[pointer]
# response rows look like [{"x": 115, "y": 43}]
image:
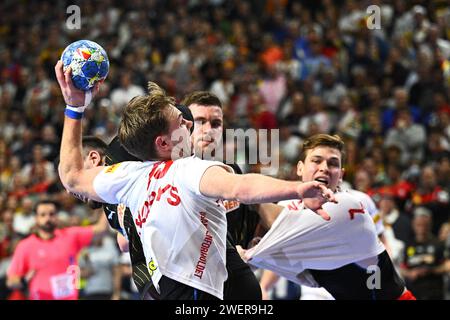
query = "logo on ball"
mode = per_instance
[{"x": 88, "y": 61}]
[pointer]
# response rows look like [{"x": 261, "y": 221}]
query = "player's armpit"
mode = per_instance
[
  {"x": 81, "y": 182},
  {"x": 268, "y": 212}
]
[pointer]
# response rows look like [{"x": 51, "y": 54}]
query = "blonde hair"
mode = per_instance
[{"x": 143, "y": 119}]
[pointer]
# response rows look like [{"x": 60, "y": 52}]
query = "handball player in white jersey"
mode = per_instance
[
  {"x": 176, "y": 204},
  {"x": 342, "y": 255},
  {"x": 269, "y": 278}
]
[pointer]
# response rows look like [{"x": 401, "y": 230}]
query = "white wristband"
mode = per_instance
[
  {"x": 87, "y": 101},
  {"x": 76, "y": 109}
]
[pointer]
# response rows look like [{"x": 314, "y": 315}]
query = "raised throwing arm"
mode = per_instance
[{"x": 74, "y": 178}]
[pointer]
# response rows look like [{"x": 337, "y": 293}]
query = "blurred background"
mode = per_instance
[{"x": 302, "y": 67}]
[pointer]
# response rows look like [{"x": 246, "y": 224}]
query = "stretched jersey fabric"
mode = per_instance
[
  {"x": 183, "y": 232},
  {"x": 371, "y": 208},
  {"x": 300, "y": 240},
  {"x": 359, "y": 289}
]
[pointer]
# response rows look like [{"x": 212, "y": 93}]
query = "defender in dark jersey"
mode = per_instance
[{"x": 242, "y": 221}]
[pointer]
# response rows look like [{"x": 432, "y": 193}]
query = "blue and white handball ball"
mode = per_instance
[{"x": 89, "y": 63}]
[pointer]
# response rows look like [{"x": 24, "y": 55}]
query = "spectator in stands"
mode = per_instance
[
  {"x": 423, "y": 262},
  {"x": 125, "y": 92},
  {"x": 99, "y": 265},
  {"x": 397, "y": 225},
  {"x": 410, "y": 137},
  {"x": 24, "y": 218},
  {"x": 8, "y": 241},
  {"x": 405, "y": 64},
  {"x": 430, "y": 194}
]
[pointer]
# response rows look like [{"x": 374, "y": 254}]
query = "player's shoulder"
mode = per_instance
[
  {"x": 194, "y": 159},
  {"x": 347, "y": 206},
  {"x": 356, "y": 193},
  {"x": 187, "y": 160},
  {"x": 346, "y": 198},
  {"x": 362, "y": 196},
  {"x": 366, "y": 199},
  {"x": 193, "y": 162},
  {"x": 354, "y": 208},
  {"x": 127, "y": 166}
]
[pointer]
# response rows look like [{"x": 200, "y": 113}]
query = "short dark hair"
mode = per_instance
[
  {"x": 46, "y": 201},
  {"x": 93, "y": 143},
  {"x": 204, "y": 98},
  {"x": 322, "y": 140},
  {"x": 89, "y": 143}
]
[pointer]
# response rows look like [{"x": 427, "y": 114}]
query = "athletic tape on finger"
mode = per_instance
[{"x": 87, "y": 98}]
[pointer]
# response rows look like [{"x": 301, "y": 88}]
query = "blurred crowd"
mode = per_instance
[{"x": 302, "y": 67}]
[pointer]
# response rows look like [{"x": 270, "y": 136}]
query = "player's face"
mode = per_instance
[
  {"x": 208, "y": 127},
  {"x": 179, "y": 134},
  {"x": 322, "y": 164},
  {"x": 46, "y": 217}
]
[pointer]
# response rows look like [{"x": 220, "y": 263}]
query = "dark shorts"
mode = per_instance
[
  {"x": 174, "y": 290},
  {"x": 352, "y": 282},
  {"x": 241, "y": 283}
]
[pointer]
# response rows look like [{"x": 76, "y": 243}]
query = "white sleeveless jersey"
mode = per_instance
[
  {"x": 183, "y": 233},
  {"x": 300, "y": 239}
]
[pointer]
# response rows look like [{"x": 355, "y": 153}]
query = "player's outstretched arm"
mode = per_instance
[
  {"x": 250, "y": 188},
  {"x": 74, "y": 178}
]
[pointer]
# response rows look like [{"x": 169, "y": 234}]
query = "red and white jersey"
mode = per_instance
[
  {"x": 183, "y": 233},
  {"x": 300, "y": 239},
  {"x": 371, "y": 207}
]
